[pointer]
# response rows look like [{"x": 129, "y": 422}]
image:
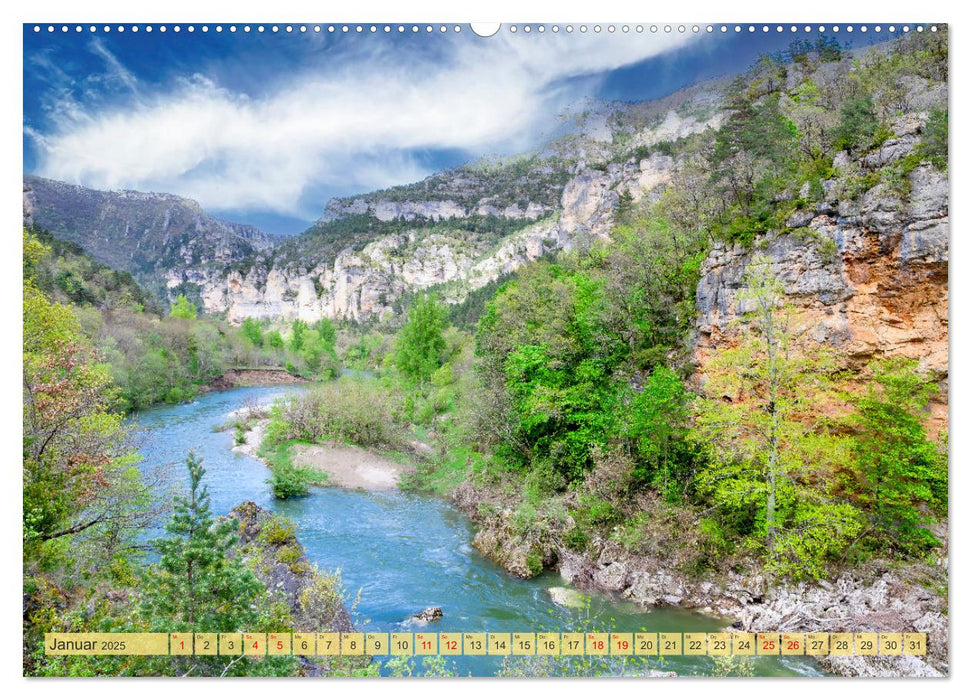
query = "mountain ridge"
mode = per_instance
[
  {"x": 137, "y": 232},
  {"x": 480, "y": 220}
]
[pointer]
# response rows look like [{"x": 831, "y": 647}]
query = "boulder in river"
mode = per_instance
[
  {"x": 566, "y": 597},
  {"x": 427, "y": 615}
]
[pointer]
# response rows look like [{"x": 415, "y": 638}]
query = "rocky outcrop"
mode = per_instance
[
  {"x": 590, "y": 198},
  {"x": 566, "y": 597},
  {"x": 867, "y": 274},
  {"x": 874, "y": 599},
  {"x": 427, "y": 615},
  {"x": 314, "y": 599},
  {"x": 365, "y": 283},
  {"x": 560, "y": 198},
  {"x": 384, "y": 210},
  {"x": 272, "y": 550},
  {"x": 524, "y": 187}
]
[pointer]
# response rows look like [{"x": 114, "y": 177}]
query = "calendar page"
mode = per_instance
[{"x": 485, "y": 350}]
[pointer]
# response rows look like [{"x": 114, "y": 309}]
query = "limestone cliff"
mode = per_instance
[
  {"x": 456, "y": 231},
  {"x": 867, "y": 273},
  {"x": 441, "y": 245}
]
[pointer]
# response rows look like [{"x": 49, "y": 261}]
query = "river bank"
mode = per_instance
[
  {"x": 660, "y": 570},
  {"x": 256, "y": 376},
  {"x": 314, "y": 599},
  {"x": 875, "y": 597},
  {"x": 400, "y": 552},
  {"x": 341, "y": 464}
]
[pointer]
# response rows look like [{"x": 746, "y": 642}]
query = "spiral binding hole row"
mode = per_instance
[{"x": 513, "y": 28}]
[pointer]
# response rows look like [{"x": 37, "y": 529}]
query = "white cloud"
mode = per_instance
[
  {"x": 347, "y": 125},
  {"x": 116, "y": 71}
]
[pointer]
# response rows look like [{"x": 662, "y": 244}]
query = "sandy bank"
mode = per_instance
[{"x": 350, "y": 467}]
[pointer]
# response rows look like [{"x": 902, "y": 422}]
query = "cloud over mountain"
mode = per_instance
[{"x": 357, "y": 115}]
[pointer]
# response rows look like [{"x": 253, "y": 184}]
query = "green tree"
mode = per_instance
[
  {"x": 197, "y": 584},
  {"x": 934, "y": 146},
  {"x": 548, "y": 348},
  {"x": 420, "y": 341},
  {"x": 625, "y": 204},
  {"x": 328, "y": 332},
  {"x": 274, "y": 340},
  {"x": 318, "y": 354},
  {"x": 904, "y": 476},
  {"x": 771, "y": 441},
  {"x": 753, "y": 151},
  {"x": 296, "y": 335},
  {"x": 858, "y": 124},
  {"x": 658, "y": 423},
  {"x": 80, "y": 482},
  {"x": 183, "y": 308},
  {"x": 651, "y": 271},
  {"x": 252, "y": 331}
]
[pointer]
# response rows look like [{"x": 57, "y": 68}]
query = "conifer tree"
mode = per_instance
[
  {"x": 904, "y": 475},
  {"x": 197, "y": 585}
]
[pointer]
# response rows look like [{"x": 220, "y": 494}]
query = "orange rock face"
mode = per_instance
[{"x": 869, "y": 277}]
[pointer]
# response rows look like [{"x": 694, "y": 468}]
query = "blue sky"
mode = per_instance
[{"x": 263, "y": 128}]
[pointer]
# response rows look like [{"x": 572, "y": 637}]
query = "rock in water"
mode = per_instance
[
  {"x": 427, "y": 615},
  {"x": 566, "y": 597}
]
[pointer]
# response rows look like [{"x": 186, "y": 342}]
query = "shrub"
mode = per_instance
[
  {"x": 362, "y": 412},
  {"x": 534, "y": 562},
  {"x": 289, "y": 482},
  {"x": 289, "y": 555},
  {"x": 277, "y": 531},
  {"x": 597, "y": 511},
  {"x": 576, "y": 539},
  {"x": 322, "y": 602},
  {"x": 251, "y": 330},
  {"x": 176, "y": 395}
]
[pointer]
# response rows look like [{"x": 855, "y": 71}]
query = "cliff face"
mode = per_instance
[
  {"x": 452, "y": 256},
  {"x": 455, "y": 231},
  {"x": 525, "y": 187},
  {"x": 866, "y": 266},
  {"x": 364, "y": 284},
  {"x": 866, "y": 273}
]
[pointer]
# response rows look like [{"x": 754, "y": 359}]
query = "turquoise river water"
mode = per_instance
[{"x": 401, "y": 552}]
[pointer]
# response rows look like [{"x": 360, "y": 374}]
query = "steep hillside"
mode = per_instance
[
  {"x": 527, "y": 187},
  {"x": 69, "y": 276},
  {"x": 142, "y": 233},
  {"x": 464, "y": 228}
]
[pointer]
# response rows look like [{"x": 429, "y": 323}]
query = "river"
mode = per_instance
[{"x": 401, "y": 552}]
